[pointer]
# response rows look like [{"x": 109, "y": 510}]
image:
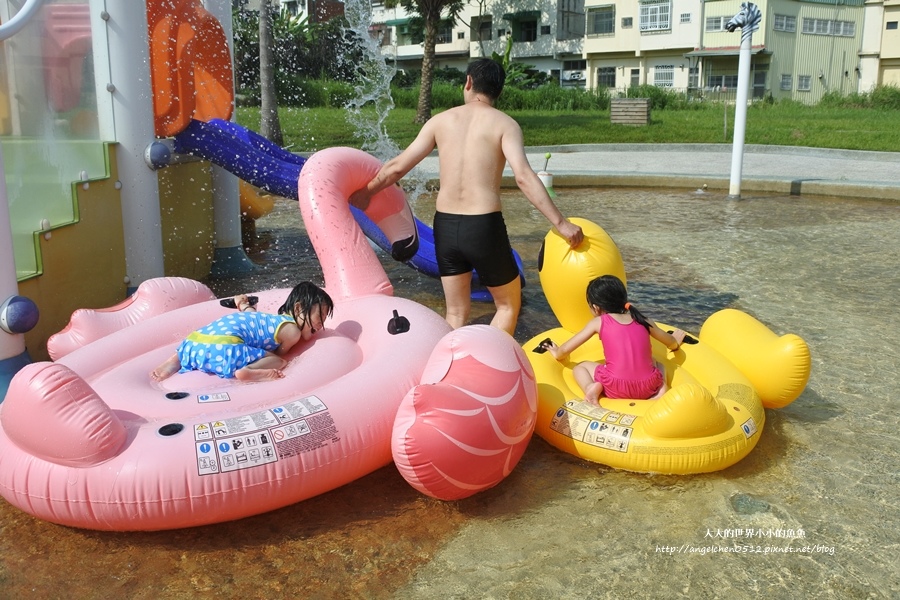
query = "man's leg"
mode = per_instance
[
  {"x": 458, "y": 298},
  {"x": 508, "y": 300}
]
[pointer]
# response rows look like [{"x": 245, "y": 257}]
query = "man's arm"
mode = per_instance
[
  {"x": 393, "y": 170},
  {"x": 513, "y": 147}
]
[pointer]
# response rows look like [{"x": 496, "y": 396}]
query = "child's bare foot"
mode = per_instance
[
  {"x": 167, "y": 369},
  {"x": 247, "y": 374},
  {"x": 592, "y": 394}
]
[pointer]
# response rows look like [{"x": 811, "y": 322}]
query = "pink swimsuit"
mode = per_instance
[{"x": 629, "y": 371}]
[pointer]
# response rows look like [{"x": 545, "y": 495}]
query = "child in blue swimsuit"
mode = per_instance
[{"x": 249, "y": 345}]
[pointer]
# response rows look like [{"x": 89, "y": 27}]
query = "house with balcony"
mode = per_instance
[
  {"x": 880, "y": 54},
  {"x": 802, "y": 50},
  {"x": 547, "y": 34},
  {"x": 634, "y": 42}
]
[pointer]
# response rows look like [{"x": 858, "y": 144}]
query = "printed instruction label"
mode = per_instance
[
  {"x": 263, "y": 437},
  {"x": 594, "y": 425}
]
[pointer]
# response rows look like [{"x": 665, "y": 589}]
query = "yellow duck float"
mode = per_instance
[{"x": 719, "y": 382}]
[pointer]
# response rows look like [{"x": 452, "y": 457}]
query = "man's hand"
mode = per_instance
[
  {"x": 360, "y": 199},
  {"x": 573, "y": 234}
]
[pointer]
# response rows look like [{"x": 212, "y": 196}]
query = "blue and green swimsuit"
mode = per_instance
[{"x": 231, "y": 343}]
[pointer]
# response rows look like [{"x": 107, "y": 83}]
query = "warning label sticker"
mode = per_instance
[
  {"x": 594, "y": 425},
  {"x": 263, "y": 437},
  {"x": 749, "y": 427},
  {"x": 217, "y": 397}
]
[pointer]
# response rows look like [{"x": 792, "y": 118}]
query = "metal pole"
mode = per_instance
[
  {"x": 132, "y": 102},
  {"x": 13, "y": 355},
  {"x": 748, "y": 20},
  {"x": 229, "y": 258},
  {"x": 740, "y": 119}
]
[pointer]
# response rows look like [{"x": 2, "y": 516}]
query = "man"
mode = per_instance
[{"x": 475, "y": 141}]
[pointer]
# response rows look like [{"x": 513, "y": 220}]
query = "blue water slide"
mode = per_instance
[{"x": 268, "y": 166}]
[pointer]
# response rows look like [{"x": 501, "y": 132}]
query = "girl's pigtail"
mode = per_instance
[{"x": 637, "y": 315}]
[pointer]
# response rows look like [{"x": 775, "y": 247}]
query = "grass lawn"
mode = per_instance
[{"x": 307, "y": 130}]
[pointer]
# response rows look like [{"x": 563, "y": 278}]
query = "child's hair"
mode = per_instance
[
  {"x": 307, "y": 295},
  {"x": 609, "y": 294},
  {"x": 488, "y": 77}
]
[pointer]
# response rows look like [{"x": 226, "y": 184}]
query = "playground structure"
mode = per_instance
[
  {"x": 93, "y": 102},
  {"x": 85, "y": 90}
]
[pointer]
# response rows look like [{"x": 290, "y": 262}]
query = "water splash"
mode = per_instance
[{"x": 372, "y": 103}]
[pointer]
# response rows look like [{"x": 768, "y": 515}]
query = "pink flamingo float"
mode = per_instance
[{"x": 89, "y": 441}]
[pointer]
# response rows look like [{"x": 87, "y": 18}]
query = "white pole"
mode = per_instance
[
  {"x": 12, "y": 345},
  {"x": 132, "y": 101},
  {"x": 740, "y": 119},
  {"x": 748, "y": 20},
  {"x": 229, "y": 258}
]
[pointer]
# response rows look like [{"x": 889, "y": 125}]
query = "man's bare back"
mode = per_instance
[
  {"x": 471, "y": 157},
  {"x": 475, "y": 142}
]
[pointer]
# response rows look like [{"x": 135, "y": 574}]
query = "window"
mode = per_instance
[
  {"x": 826, "y": 27},
  {"x": 787, "y": 82},
  {"x": 501, "y": 33},
  {"x": 460, "y": 35},
  {"x": 382, "y": 33},
  {"x": 606, "y": 77},
  {"x": 685, "y": 18},
  {"x": 804, "y": 83},
  {"x": 635, "y": 77},
  {"x": 574, "y": 65},
  {"x": 664, "y": 75},
  {"x": 716, "y": 23},
  {"x": 785, "y": 23},
  {"x": 527, "y": 31},
  {"x": 655, "y": 15},
  {"x": 545, "y": 30},
  {"x": 694, "y": 77},
  {"x": 482, "y": 30},
  {"x": 627, "y": 22},
  {"x": 570, "y": 20},
  {"x": 601, "y": 21},
  {"x": 721, "y": 81},
  {"x": 891, "y": 25},
  {"x": 445, "y": 32}
]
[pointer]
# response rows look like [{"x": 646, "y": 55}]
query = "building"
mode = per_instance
[
  {"x": 547, "y": 35},
  {"x": 318, "y": 11},
  {"x": 880, "y": 54},
  {"x": 632, "y": 42},
  {"x": 803, "y": 49}
]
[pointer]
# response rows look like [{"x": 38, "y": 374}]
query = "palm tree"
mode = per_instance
[
  {"x": 430, "y": 11},
  {"x": 269, "y": 124}
]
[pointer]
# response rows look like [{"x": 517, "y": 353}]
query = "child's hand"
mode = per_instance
[
  {"x": 553, "y": 349},
  {"x": 244, "y": 302},
  {"x": 678, "y": 334}
]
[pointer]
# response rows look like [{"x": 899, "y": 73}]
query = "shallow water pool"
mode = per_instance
[{"x": 811, "y": 512}]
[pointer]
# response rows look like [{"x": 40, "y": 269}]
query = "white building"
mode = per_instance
[
  {"x": 546, "y": 34},
  {"x": 803, "y": 49}
]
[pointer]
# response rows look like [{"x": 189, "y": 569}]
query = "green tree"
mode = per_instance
[
  {"x": 431, "y": 12},
  {"x": 302, "y": 50},
  {"x": 269, "y": 123}
]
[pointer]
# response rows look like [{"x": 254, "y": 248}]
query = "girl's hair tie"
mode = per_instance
[{"x": 628, "y": 306}]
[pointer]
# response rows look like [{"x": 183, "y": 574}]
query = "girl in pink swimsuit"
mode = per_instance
[{"x": 628, "y": 370}]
